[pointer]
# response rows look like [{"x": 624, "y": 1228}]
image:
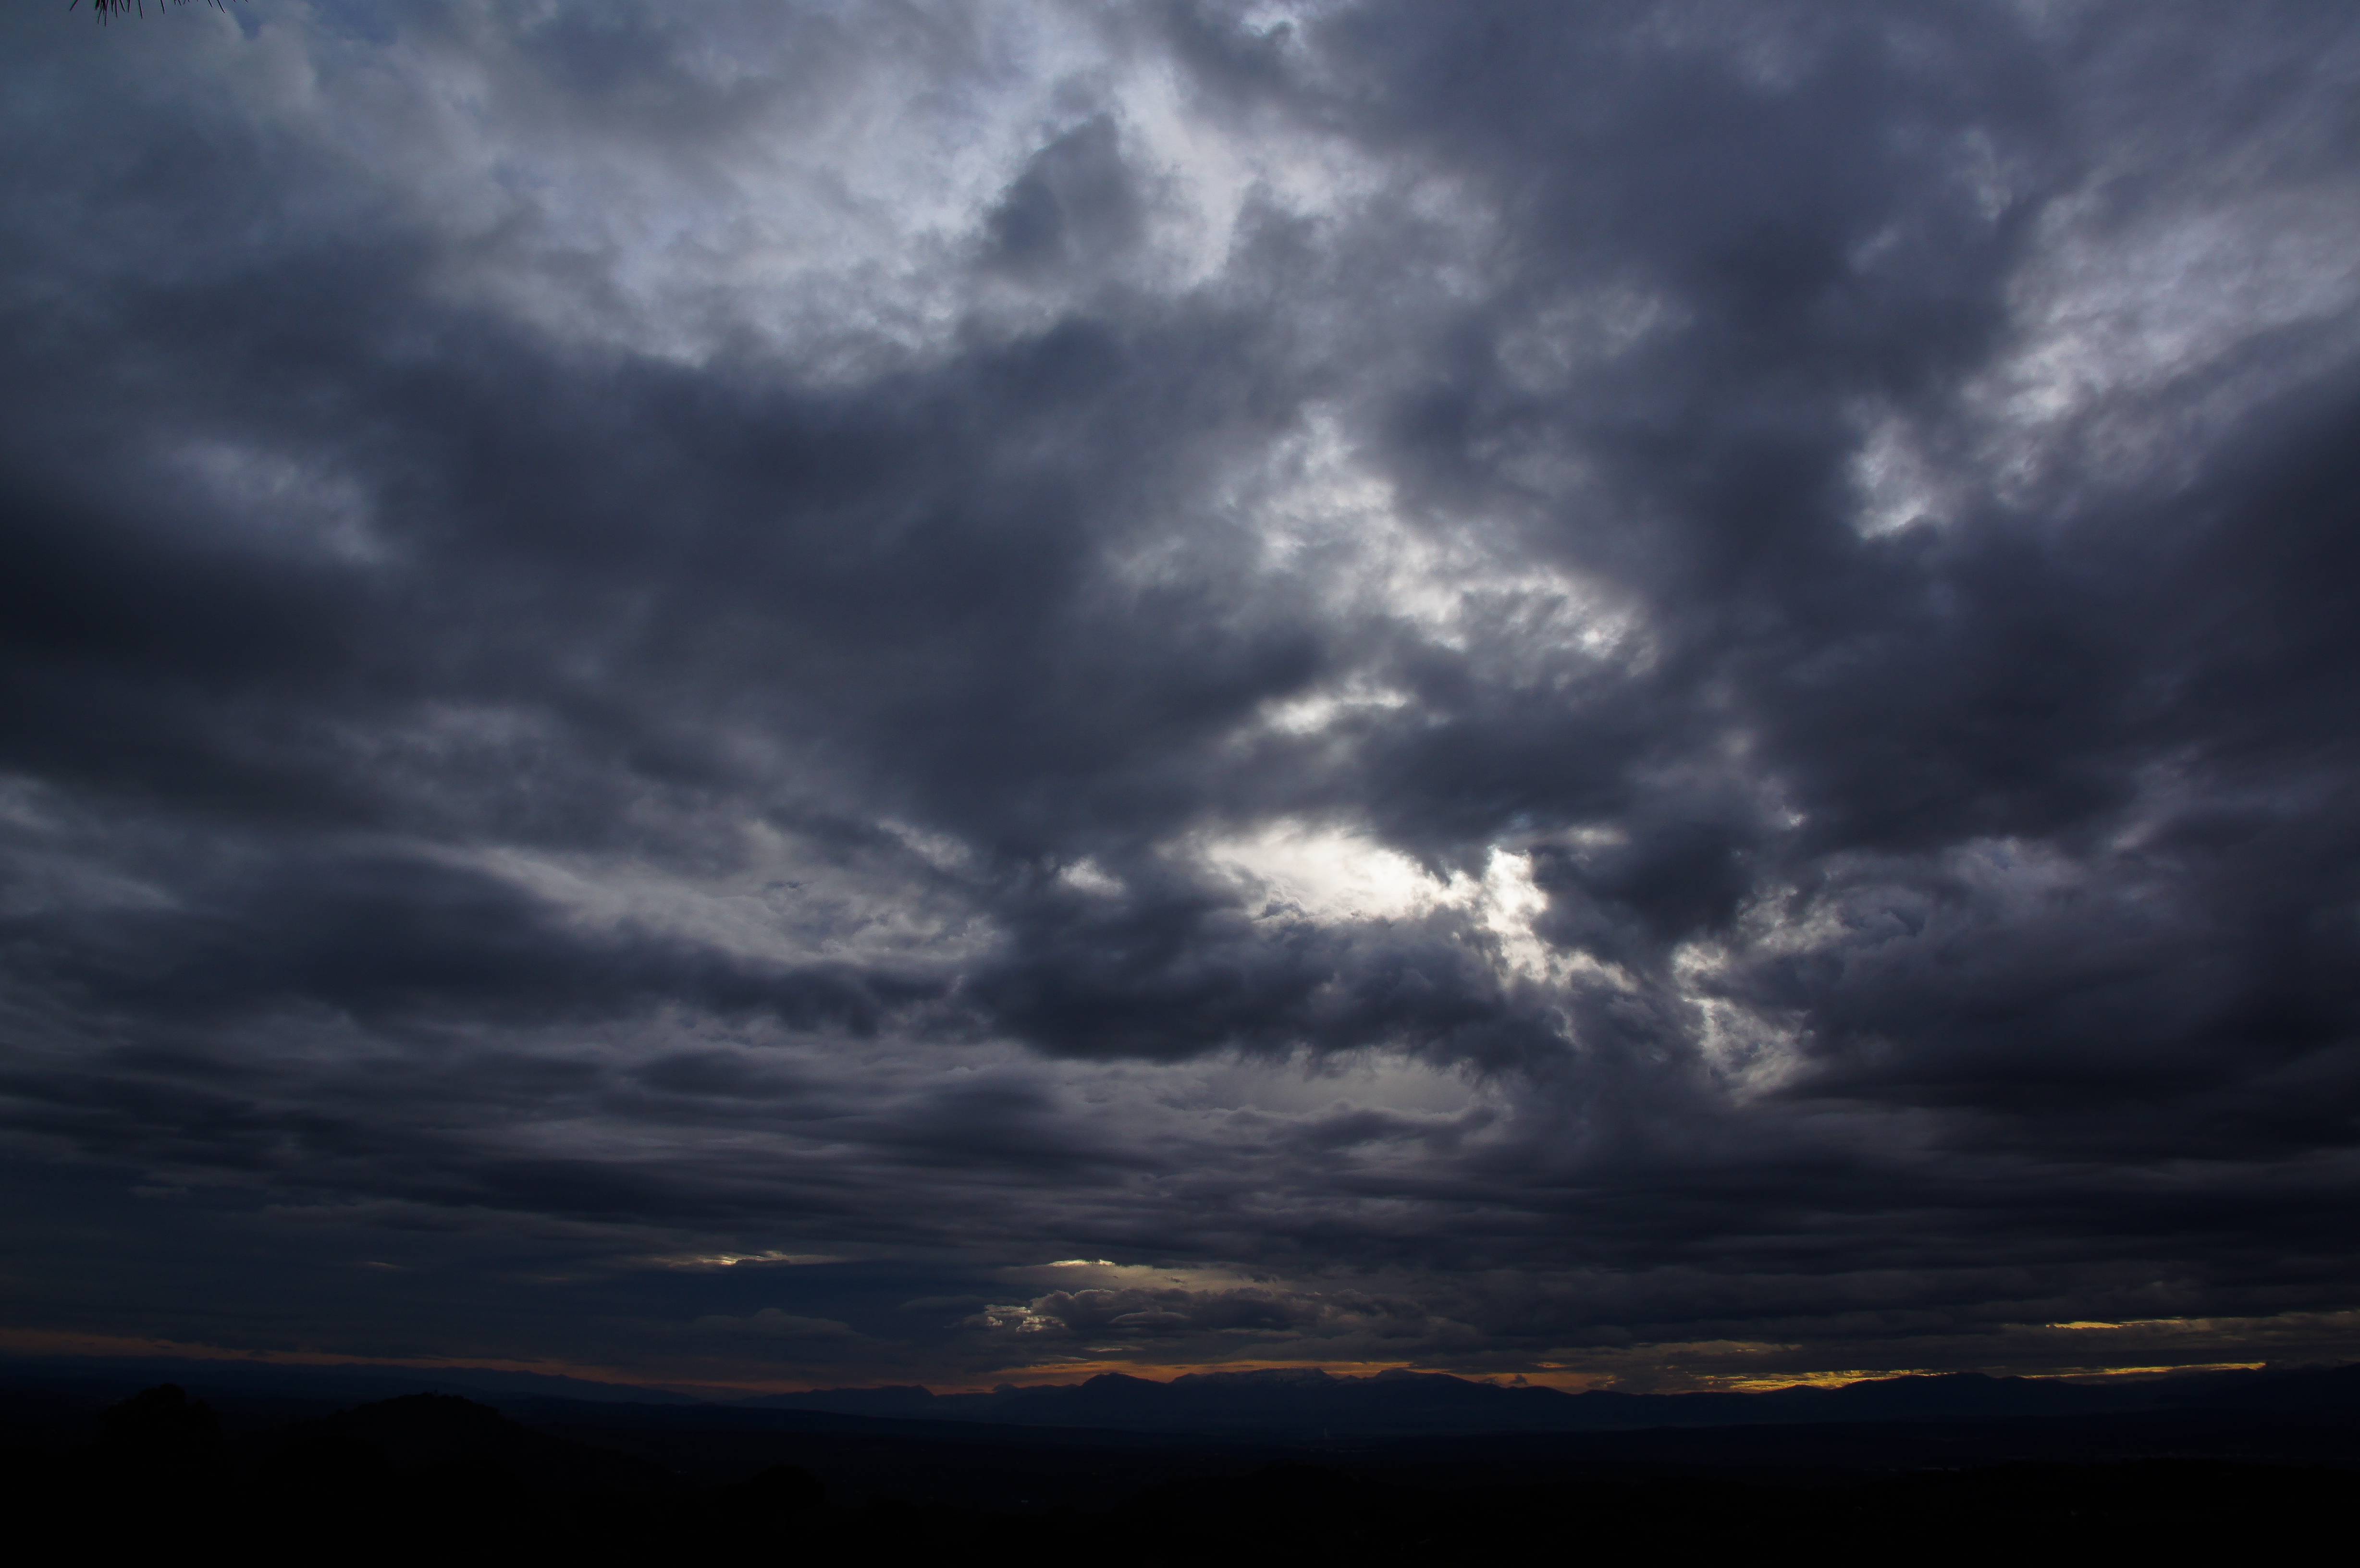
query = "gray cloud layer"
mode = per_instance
[{"x": 1510, "y": 687}]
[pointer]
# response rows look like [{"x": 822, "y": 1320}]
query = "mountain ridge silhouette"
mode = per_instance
[
  {"x": 2271, "y": 1462},
  {"x": 1310, "y": 1401}
]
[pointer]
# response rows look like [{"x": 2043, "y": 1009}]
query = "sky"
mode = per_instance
[{"x": 764, "y": 696}]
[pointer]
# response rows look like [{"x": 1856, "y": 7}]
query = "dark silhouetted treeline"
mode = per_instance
[{"x": 428, "y": 1477}]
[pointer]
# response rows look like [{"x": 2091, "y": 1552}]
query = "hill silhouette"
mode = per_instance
[
  {"x": 1313, "y": 1403},
  {"x": 444, "y": 1432},
  {"x": 2243, "y": 1465}
]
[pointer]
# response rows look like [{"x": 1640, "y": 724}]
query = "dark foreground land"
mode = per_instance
[{"x": 436, "y": 1476}]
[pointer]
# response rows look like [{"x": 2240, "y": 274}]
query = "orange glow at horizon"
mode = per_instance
[
  {"x": 60, "y": 1343},
  {"x": 54, "y": 1341}
]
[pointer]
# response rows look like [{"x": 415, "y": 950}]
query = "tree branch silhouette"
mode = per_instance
[{"x": 108, "y": 10}]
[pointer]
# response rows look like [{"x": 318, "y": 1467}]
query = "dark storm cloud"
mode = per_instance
[{"x": 1558, "y": 679}]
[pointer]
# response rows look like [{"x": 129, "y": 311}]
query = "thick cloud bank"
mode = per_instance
[{"x": 827, "y": 693}]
